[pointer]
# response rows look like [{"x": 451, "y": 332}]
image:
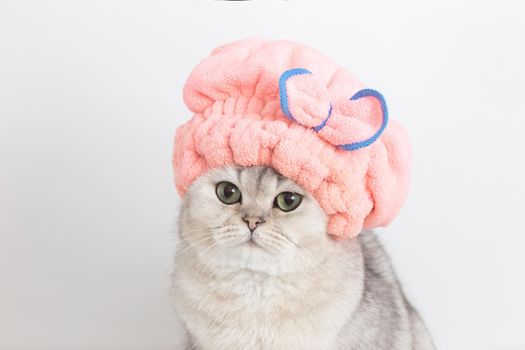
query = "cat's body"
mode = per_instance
[{"x": 286, "y": 284}]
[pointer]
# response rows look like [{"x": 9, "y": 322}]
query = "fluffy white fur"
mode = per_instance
[{"x": 288, "y": 285}]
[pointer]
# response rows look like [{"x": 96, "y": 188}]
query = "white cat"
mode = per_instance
[{"x": 256, "y": 269}]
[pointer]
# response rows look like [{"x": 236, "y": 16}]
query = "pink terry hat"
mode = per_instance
[{"x": 285, "y": 105}]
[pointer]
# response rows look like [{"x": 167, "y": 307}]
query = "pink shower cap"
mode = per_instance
[{"x": 284, "y": 105}]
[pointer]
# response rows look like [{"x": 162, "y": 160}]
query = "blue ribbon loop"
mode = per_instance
[{"x": 283, "y": 96}]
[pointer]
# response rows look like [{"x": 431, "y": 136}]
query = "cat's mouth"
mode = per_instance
[{"x": 251, "y": 242}]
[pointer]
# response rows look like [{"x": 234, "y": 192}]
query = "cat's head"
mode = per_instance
[{"x": 251, "y": 218}]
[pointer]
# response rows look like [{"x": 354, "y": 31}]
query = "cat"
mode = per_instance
[{"x": 256, "y": 269}]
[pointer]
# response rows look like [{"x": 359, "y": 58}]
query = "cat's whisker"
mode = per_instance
[
  {"x": 191, "y": 240},
  {"x": 230, "y": 241},
  {"x": 230, "y": 237},
  {"x": 200, "y": 254},
  {"x": 285, "y": 236},
  {"x": 185, "y": 239},
  {"x": 200, "y": 229},
  {"x": 305, "y": 258},
  {"x": 271, "y": 247},
  {"x": 206, "y": 232},
  {"x": 193, "y": 245},
  {"x": 315, "y": 267}
]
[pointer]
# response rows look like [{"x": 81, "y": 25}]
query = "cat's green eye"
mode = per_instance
[
  {"x": 228, "y": 193},
  {"x": 288, "y": 201}
]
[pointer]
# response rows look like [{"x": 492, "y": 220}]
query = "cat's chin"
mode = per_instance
[
  {"x": 253, "y": 249},
  {"x": 251, "y": 244},
  {"x": 254, "y": 243},
  {"x": 251, "y": 255}
]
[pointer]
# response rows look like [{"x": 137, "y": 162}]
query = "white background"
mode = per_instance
[{"x": 90, "y": 96}]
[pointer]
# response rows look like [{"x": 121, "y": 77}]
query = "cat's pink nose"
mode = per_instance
[{"x": 252, "y": 222}]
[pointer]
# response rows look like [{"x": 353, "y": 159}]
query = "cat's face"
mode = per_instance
[{"x": 252, "y": 218}]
